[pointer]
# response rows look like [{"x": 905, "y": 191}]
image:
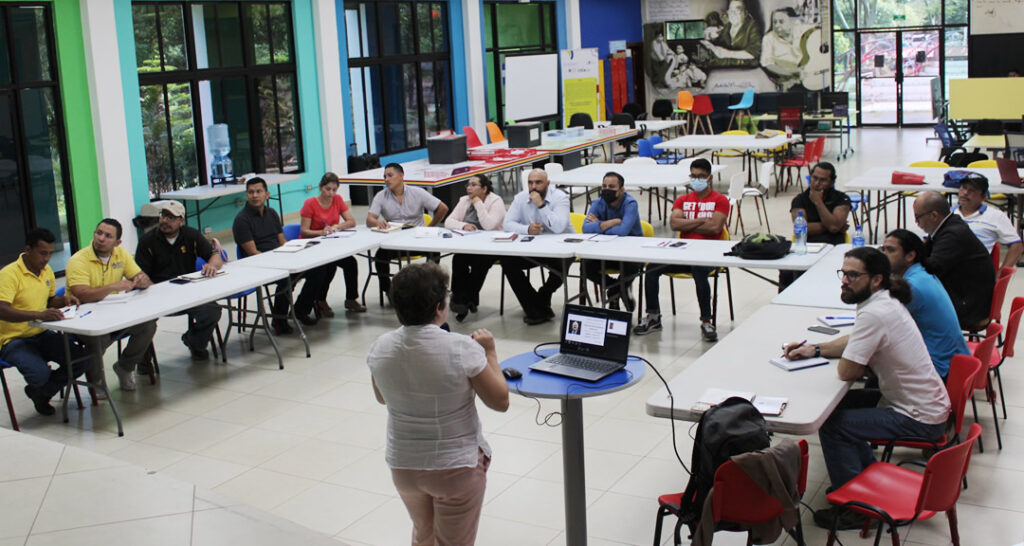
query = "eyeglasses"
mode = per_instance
[{"x": 851, "y": 276}]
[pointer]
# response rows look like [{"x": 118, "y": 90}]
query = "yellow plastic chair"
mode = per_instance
[
  {"x": 494, "y": 132},
  {"x": 577, "y": 219},
  {"x": 714, "y": 297},
  {"x": 983, "y": 164},
  {"x": 715, "y": 155},
  {"x": 929, "y": 163}
]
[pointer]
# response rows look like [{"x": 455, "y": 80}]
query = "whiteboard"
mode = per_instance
[
  {"x": 997, "y": 16},
  {"x": 531, "y": 87}
]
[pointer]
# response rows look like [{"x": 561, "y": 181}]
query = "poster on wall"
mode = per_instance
[
  {"x": 579, "y": 82},
  {"x": 727, "y": 46}
]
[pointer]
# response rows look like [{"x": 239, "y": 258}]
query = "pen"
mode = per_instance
[
  {"x": 85, "y": 314},
  {"x": 840, "y": 318},
  {"x": 798, "y": 345}
]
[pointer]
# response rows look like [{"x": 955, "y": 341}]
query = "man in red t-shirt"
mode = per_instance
[{"x": 700, "y": 214}]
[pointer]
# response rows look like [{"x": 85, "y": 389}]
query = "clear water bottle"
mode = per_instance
[
  {"x": 858, "y": 238},
  {"x": 800, "y": 234}
]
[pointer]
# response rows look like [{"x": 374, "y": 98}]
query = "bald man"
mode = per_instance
[
  {"x": 958, "y": 258},
  {"x": 536, "y": 210}
]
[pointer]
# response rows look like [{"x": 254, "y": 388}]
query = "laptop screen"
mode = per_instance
[{"x": 596, "y": 332}]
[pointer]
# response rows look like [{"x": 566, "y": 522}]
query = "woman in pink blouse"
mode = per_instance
[
  {"x": 482, "y": 209},
  {"x": 322, "y": 215}
]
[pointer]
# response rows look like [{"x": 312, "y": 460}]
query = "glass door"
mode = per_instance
[
  {"x": 921, "y": 56},
  {"x": 879, "y": 88}
]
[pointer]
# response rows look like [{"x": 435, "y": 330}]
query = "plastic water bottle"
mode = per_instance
[
  {"x": 800, "y": 234},
  {"x": 858, "y": 238}
]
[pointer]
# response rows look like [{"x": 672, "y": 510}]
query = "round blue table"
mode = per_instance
[{"x": 571, "y": 392}]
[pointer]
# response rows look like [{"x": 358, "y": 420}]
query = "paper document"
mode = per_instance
[
  {"x": 296, "y": 245},
  {"x": 770, "y": 405},
  {"x": 340, "y": 234},
  {"x": 600, "y": 237},
  {"x": 664, "y": 244},
  {"x": 793, "y": 365},
  {"x": 70, "y": 311},
  {"x": 196, "y": 276},
  {"x": 391, "y": 227}
]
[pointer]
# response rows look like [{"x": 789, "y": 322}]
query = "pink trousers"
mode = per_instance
[{"x": 444, "y": 504}]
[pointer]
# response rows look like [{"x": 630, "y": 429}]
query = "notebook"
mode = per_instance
[
  {"x": 594, "y": 344},
  {"x": 802, "y": 364}
]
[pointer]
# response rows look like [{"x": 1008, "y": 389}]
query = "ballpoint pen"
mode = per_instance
[
  {"x": 85, "y": 314},
  {"x": 798, "y": 345}
]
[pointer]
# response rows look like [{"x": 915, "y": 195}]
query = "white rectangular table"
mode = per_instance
[
  {"x": 213, "y": 193},
  {"x": 159, "y": 300},
  {"x": 740, "y": 362},
  {"x": 819, "y": 285},
  {"x": 748, "y": 143}
]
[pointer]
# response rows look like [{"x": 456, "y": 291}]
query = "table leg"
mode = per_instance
[
  {"x": 72, "y": 381},
  {"x": 573, "y": 472},
  {"x": 291, "y": 314},
  {"x": 262, "y": 317}
]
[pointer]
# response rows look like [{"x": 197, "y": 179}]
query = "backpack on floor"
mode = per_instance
[
  {"x": 761, "y": 246},
  {"x": 730, "y": 428}
]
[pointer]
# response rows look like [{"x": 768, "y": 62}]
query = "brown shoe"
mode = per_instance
[
  {"x": 321, "y": 309},
  {"x": 354, "y": 306}
]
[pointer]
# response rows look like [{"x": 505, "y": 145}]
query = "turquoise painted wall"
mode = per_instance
[{"x": 220, "y": 215}]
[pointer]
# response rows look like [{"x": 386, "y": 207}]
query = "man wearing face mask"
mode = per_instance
[
  {"x": 615, "y": 213},
  {"x": 700, "y": 214},
  {"x": 536, "y": 210}
]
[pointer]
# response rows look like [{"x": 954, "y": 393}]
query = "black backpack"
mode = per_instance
[
  {"x": 761, "y": 246},
  {"x": 730, "y": 428}
]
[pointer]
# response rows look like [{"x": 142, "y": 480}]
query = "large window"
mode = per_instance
[
  {"x": 34, "y": 186},
  {"x": 399, "y": 74},
  {"x": 219, "y": 62},
  {"x": 513, "y": 29}
]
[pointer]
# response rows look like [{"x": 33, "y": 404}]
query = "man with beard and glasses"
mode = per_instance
[
  {"x": 615, "y": 213},
  {"x": 910, "y": 400},
  {"x": 537, "y": 209}
]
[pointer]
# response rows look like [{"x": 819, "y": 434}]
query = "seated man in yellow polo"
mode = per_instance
[{"x": 97, "y": 271}]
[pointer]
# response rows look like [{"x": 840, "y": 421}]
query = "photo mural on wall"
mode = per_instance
[{"x": 727, "y": 46}]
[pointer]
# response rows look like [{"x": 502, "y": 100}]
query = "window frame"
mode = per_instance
[
  {"x": 381, "y": 61},
  {"x": 494, "y": 52},
  {"x": 249, "y": 72}
]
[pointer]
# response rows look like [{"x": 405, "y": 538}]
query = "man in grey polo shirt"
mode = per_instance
[{"x": 400, "y": 204}]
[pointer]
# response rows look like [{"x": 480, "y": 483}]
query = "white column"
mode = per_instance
[
  {"x": 108, "y": 102},
  {"x": 332, "y": 96},
  {"x": 572, "y": 24},
  {"x": 472, "y": 24}
]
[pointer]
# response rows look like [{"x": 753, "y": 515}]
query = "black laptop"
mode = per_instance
[{"x": 594, "y": 344}]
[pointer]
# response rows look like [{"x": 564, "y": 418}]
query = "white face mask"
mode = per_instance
[{"x": 699, "y": 184}]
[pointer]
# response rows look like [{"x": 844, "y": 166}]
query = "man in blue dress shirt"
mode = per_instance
[{"x": 615, "y": 213}]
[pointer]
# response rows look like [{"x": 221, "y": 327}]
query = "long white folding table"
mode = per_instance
[
  {"x": 739, "y": 362},
  {"x": 161, "y": 299},
  {"x": 326, "y": 250},
  {"x": 643, "y": 176},
  {"x": 819, "y": 285},
  {"x": 562, "y": 148},
  {"x": 650, "y": 125},
  {"x": 747, "y": 143},
  {"x": 879, "y": 181},
  {"x": 214, "y": 193}
]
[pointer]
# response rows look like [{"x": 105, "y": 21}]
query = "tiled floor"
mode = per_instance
[{"x": 306, "y": 443}]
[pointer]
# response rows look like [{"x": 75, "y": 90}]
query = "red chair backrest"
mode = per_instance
[
  {"x": 995, "y": 256},
  {"x": 983, "y": 352},
  {"x": 702, "y": 105},
  {"x": 999, "y": 293},
  {"x": 818, "y": 149},
  {"x": 963, "y": 370},
  {"x": 1012, "y": 323},
  {"x": 791, "y": 117},
  {"x": 472, "y": 139},
  {"x": 940, "y": 487},
  {"x": 738, "y": 499}
]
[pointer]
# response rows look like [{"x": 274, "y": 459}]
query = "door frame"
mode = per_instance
[{"x": 898, "y": 31}]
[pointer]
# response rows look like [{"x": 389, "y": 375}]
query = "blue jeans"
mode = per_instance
[
  {"x": 844, "y": 436},
  {"x": 31, "y": 354},
  {"x": 700, "y": 283}
]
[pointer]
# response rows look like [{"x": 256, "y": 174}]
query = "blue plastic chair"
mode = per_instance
[
  {"x": 743, "y": 106},
  {"x": 292, "y": 231},
  {"x": 659, "y": 154}
]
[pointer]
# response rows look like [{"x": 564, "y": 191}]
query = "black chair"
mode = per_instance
[
  {"x": 662, "y": 109},
  {"x": 624, "y": 118},
  {"x": 634, "y": 110},
  {"x": 581, "y": 120}
]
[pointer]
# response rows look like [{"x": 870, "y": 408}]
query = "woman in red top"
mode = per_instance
[{"x": 322, "y": 215}]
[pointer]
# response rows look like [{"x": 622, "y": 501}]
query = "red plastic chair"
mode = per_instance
[
  {"x": 1009, "y": 340},
  {"x": 702, "y": 110},
  {"x": 472, "y": 139},
  {"x": 995, "y": 256},
  {"x": 983, "y": 351},
  {"x": 736, "y": 499},
  {"x": 897, "y": 496},
  {"x": 963, "y": 371},
  {"x": 812, "y": 154}
]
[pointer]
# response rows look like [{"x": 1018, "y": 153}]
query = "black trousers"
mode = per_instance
[
  {"x": 350, "y": 268},
  {"x": 535, "y": 302},
  {"x": 469, "y": 271}
]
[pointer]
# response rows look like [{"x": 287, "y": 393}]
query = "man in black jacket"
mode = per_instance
[{"x": 957, "y": 258}]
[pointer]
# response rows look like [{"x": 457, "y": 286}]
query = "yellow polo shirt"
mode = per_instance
[
  {"x": 25, "y": 291},
  {"x": 84, "y": 268}
]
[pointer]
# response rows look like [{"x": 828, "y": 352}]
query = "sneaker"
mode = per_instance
[
  {"x": 707, "y": 330},
  {"x": 98, "y": 395},
  {"x": 126, "y": 378},
  {"x": 41, "y": 403},
  {"x": 848, "y": 519},
  {"x": 649, "y": 324}
]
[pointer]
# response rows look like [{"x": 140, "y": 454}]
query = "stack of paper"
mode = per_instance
[{"x": 793, "y": 365}]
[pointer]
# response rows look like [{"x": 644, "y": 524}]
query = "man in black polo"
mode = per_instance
[
  {"x": 258, "y": 229},
  {"x": 826, "y": 210},
  {"x": 171, "y": 250}
]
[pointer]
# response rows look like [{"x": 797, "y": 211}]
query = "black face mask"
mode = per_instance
[{"x": 609, "y": 195}]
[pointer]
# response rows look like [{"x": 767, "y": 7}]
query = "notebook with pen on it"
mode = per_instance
[
  {"x": 802, "y": 364},
  {"x": 834, "y": 321}
]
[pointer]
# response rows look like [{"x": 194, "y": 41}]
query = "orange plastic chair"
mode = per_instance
[
  {"x": 472, "y": 140},
  {"x": 494, "y": 132}
]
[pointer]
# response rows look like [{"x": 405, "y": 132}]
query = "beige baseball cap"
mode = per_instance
[{"x": 174, "y": 207}]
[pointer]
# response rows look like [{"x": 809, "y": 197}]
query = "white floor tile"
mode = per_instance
[
  {"x": 329, "y": 508},
  {"x": 263, "y": 489},
  {"x": 20, "y": 501},
  {"x": 174, "y": 530}
]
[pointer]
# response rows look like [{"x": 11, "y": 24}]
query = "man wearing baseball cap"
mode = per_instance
[{"x": 171, "y": 250}]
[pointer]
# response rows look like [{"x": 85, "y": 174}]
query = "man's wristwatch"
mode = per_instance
[{"x": 817, "y": 351}]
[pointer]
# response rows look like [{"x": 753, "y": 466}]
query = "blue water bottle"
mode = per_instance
[
  {"x": 800, "y": 234},
  {"x": 858, "y": 238}
]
